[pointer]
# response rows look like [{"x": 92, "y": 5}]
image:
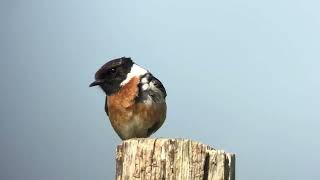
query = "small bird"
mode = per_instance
[{"x": 135, "y": 99}]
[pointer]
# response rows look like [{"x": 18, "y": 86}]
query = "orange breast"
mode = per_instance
[
  {"x": 120, "y": 104},
  {"x": 130, "y": 119},
  {"x": 124, "y": 98}
]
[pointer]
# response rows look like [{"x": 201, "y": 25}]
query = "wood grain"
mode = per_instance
[{"x": 173, "y": 159}]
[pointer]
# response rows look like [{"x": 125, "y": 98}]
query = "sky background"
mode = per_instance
[{"x": 242, "y": 76}]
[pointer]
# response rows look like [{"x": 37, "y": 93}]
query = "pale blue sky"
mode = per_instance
[{"x": 242, "y": 76}]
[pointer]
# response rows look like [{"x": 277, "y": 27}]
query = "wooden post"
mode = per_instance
[{"x": 172, "y": 159}]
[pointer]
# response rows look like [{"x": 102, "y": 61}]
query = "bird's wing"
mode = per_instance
[
  {"x": 106, "y": 106},
  {"x": 155, "y": 89},
  {"x": 157, "y": 83}
]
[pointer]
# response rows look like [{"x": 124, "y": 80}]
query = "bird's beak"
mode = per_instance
[{"x": 96, "y": 82}]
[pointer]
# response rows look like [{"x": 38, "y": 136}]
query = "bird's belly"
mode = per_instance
[{"x": 138, "y": 120}]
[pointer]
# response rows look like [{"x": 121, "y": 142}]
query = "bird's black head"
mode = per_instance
[{"x": 111, "y": 74}]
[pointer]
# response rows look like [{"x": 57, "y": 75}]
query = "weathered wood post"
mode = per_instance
[{"x": 178, "y": 159}]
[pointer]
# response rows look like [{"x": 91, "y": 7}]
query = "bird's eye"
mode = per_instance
[{"x": 112, "y": 71}]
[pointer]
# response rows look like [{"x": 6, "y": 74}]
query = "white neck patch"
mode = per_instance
[{"x": 135, "y": 71}]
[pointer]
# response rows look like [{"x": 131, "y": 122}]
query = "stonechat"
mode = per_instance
[{"x": 135, "y": 99}]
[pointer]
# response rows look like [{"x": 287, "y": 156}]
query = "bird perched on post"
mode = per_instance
[{"x": 135, "y": 99}]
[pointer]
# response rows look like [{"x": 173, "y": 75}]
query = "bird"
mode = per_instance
[{"x": 135, "y": 100}]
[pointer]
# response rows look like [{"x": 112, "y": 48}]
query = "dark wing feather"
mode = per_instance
[
  {"x": 106, "y": 106},
  {"x": 157, "y": 96},
  {"x": 157, "y": 83}
]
